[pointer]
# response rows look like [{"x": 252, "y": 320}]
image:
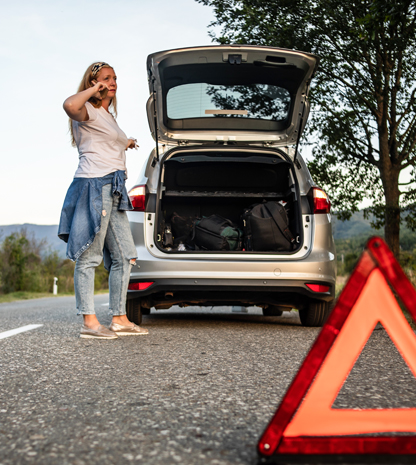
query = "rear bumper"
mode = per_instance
[{"x": 164, "y": 293}]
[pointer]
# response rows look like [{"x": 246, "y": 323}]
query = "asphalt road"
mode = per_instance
[{"x": 199, "y": 389}]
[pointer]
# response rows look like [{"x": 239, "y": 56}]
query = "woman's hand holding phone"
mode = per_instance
[
  {"x": 101, "y": 90},
  {"x": 132, "y": 144}
]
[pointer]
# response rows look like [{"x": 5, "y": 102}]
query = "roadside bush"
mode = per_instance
[
  {"x": 351, "y": 260},
  {"x": 63, "y": 269},
  {"x": 27, "y": 264},
  {"x": 20, "y": 264},
  {"x": 349, "y": 250}
]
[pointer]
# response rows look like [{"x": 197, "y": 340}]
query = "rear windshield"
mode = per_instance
[{"x": 202, "y": 100}]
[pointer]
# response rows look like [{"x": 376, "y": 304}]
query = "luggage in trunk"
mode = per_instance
[
  {"x": 266, "y": 228},
  {"x": 217, "y": 233},
  {"x": 195, "y": 186}
]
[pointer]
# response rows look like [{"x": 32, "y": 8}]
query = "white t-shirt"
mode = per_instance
[{"x": 101, "y": 144}]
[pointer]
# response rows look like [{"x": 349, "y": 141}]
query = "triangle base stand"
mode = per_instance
[
  {"x": 397, "y": 450},
  {"x": 356, "y": 459}
]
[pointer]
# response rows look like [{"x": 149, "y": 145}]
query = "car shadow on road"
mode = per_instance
[{"x": 287, "y": 319}]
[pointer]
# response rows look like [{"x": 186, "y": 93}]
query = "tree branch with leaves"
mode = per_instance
[{"x": 364, "y": 124}]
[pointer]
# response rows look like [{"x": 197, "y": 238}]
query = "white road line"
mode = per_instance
[
  {"x": 105, "y": 305},
  {"x": 22, "y": 329}
]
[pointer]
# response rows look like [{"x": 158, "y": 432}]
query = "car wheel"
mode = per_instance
[
  {"x": 134, "y": 311},
  {"x": 273, "y": 310},
  {"x": 145, "y": 311},
  {"x": 316, "y": 313}
]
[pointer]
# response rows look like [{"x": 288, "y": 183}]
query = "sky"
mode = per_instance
[{"x": 45, "y": 48}]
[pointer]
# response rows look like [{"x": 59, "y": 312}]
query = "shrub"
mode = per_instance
[
  {"x": 20, "y": 264},
  {"x": 28, "y": 264}
]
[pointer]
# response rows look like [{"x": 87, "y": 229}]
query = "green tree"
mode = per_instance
[
  {"x": 363, "y": 123},
  {"x": 20, "y": 263}
]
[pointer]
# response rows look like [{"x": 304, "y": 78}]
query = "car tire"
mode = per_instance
[
  {"x": 145, "y": 311},
  {"x": 134, "y": 311},
  {"x": 315, "y": 314},
  {"x": 273, "y": 310}
]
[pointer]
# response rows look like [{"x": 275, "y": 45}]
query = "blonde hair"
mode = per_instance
[{"x": 86, "y": 83}]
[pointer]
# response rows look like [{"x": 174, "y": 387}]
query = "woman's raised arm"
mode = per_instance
[{"x": 74, "y": 106}]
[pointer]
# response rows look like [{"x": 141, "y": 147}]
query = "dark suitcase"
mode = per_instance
[
  {"x": 266, "y": 228},
  {"x": 217, "y": 233}
]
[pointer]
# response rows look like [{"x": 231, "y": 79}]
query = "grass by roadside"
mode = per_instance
[
  {"x": 339, "y": 285},
  {"x": 22, "y": 295},
  {"x": 409, "y": 319},
  {"x": 342, "y": 281}
]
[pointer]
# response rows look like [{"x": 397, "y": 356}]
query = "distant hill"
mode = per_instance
[
  {"x": 359, "y": 229},
  {"x": 48, "y": 232},
  {"x": 356, "y": 226}
]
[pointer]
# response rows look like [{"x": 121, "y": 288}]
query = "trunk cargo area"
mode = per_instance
[{"x": 200, "y": 184}]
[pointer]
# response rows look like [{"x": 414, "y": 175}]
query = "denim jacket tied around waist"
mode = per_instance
[{"x": 81, "y": 212}]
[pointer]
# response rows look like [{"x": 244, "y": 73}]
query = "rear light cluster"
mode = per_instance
[
  {"x": 139, "y": 286},
  {"x": 320, "y": 201},
  {"x": 138, "y": 198}
]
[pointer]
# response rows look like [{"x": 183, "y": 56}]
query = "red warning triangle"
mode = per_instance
[{"x": 305, "y": 423}]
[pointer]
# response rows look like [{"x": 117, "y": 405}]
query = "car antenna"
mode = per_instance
[{"x": 156, "y": 158}]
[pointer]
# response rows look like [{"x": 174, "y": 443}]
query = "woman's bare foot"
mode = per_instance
[
  {"x": 91, "y": 321},
  {"x": 122, "y": 320}
]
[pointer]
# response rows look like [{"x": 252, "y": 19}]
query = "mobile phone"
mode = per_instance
[{"x": 104, "y": 93}]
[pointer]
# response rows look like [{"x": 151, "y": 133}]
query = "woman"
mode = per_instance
[{"x": 93, "y": 219}]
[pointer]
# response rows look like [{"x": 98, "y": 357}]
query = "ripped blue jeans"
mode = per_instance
[{"x": 116, "y": 236}]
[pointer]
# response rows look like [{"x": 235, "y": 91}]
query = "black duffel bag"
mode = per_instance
[
  {"x": 217, "y": 233},
  {"x": 182, "y": 228},
  {"x": 266, "y": 228}
]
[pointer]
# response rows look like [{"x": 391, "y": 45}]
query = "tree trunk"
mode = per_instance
[
  {"x": 390, "y": 172},
  {"x": 392, "y": 226},
  {"x": 392, "y": 214}
]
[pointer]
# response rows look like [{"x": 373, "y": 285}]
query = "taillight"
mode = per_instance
[
  {"x": 139, "y": 286},
  {"x": 321, "y": 202},
  {"x": 318, "y": 287},
  {"x": 138, "y": 198}
]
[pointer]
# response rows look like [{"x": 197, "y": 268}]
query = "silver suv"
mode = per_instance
[{"x": 227, "y": 122}]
